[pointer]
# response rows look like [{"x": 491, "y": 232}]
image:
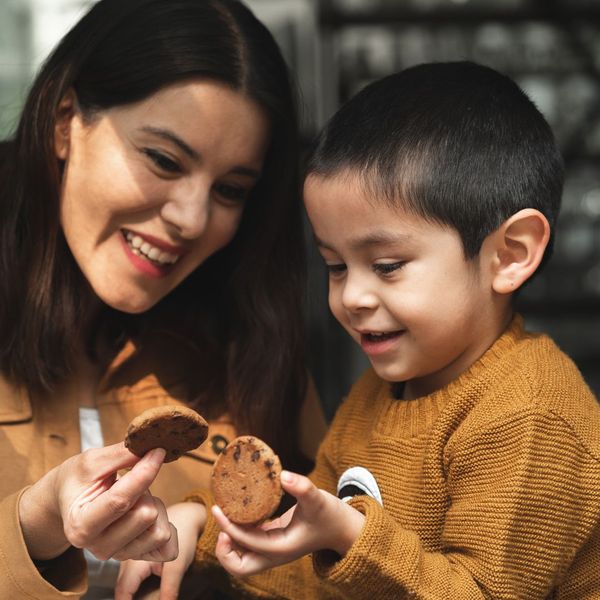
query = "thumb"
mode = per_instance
[
  {"x": 301, "y": 487},
  {"x": 124, "y": 492},
  {"x": 110, "y": 459}
]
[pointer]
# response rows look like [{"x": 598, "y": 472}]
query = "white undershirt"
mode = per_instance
[{"x": 102, "y": 574}]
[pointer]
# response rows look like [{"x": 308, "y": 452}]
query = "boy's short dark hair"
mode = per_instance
[{"x": 457, "y": 143}]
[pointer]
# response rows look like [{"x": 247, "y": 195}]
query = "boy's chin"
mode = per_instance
[{"x": 389, "y": 373}]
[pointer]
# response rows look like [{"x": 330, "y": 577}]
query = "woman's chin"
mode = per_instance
[{"x": 129, "y": 304}]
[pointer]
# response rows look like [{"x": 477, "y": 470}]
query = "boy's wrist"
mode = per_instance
[{"x": 351, "y": 523}]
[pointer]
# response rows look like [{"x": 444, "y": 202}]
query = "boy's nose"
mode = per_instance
[{"x": 357, "y": 296}]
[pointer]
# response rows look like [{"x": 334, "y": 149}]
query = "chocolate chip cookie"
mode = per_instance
[
  {"x": 245, "y": 481},
  {"x": 177, "y": 429}
]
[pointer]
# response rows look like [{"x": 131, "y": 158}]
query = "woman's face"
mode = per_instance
[{"x": 150, "y": 190}]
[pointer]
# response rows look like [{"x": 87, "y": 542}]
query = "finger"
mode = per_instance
[
  {"x": 105, "y": 461},
  {"x": 142, "y": 516},
  {"x": 172, "y": 575},
  {"x": 251, "y": 538},
  {"x": 123, "y": 494},
  {"x": 157, "y": 542},
  {"x": 131, "y": 575},
  {"x": 167, "y": 552},
  {"x": 239, "y": 561}
]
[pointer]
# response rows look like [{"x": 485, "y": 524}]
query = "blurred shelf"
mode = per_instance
[{"x": 396, "y": 15}]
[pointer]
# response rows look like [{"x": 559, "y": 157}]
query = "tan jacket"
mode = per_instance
[{"x": 37, "y": 434}]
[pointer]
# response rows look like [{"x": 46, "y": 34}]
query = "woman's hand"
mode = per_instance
[
  {"x": 82, "y": 503},
  {"x": 189, "y": 518},
  {"x": 318, "y": 521}
]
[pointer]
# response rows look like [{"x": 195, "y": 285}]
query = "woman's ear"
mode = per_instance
[
  {"x": 62, "y": 129},
  {"x": 519, "y": 246}
]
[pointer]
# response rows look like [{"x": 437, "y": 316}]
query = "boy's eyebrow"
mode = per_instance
[
  {"x": 374, "y": 238},
  {"x": 380, "y": 238},
  {"x": 167, "y": 134}
]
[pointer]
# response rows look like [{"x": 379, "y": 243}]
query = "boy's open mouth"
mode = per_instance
[{"x": 379, "y": 337}]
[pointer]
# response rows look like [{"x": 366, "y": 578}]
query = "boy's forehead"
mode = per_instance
[
  {"x": 372, "y": 238},
  {"x": 344, "y": 178},
  {"x": 340, "y": 207}
]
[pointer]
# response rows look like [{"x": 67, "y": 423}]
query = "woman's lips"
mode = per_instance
[{"x": 144, "y": 263}]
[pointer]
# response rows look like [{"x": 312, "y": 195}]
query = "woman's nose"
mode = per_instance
[{"x": 188, "y": 211}]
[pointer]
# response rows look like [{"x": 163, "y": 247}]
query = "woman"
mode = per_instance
[{"x": 151, "y": 240}]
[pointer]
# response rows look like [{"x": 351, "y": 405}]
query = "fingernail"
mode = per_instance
[
  {"x": 287, "y": 477},
  {"x": 157, "y": 455}
]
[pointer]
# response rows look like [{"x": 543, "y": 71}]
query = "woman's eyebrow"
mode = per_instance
[{"x": 167, "y": 134}]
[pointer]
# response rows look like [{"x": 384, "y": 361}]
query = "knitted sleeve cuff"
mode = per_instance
[{"x": 363, "y": 572}]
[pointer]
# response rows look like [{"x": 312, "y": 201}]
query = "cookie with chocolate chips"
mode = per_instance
[
  {"x": 177, "y": 429},
  {"x": 245, "y": 481}
]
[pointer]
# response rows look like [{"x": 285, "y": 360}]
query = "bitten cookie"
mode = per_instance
[
  {"x": 177, "y": 429},
  {"x": 245, "y": 481}
]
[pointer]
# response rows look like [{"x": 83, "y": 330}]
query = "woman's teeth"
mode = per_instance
[
  {"x": 380, "y": 337},
  {"x": 142, "y": 248}
]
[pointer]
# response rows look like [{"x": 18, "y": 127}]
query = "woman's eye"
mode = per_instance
[
  {"x": 232, "y": 193},
  {"x": 336, "y": 270},
  {"x": 162, "y": 161},
  {"x": 386, "y": 268}
]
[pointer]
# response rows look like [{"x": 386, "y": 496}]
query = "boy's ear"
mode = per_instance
[
  {"x": 62, "y": 128},
  {"x": 518, "y": 245}
]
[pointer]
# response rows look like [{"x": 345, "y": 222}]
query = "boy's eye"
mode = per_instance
[
  {"x": 386, "y": 268},
  {"x": 336, "y": 270},
  {"x": 163, "y": 162},
  {"x": 232, "y": 193}
]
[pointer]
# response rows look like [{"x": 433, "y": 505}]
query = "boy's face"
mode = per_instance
[{"x": 400, "y": 286}]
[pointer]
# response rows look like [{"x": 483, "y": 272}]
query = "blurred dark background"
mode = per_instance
[{"x": 334, "y": 47}]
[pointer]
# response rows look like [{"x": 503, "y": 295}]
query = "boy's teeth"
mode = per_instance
[{"x": 143, "y": 248}]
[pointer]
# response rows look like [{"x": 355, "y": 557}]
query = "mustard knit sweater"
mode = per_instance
[{"x": 490, "y": 487}]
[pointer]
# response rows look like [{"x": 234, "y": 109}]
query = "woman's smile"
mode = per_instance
[{"x": 151, "y": 256}]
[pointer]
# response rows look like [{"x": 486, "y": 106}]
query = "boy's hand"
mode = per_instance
[
  {"x": 189, "y": 519},
  {"x": 318, "y": 521}
]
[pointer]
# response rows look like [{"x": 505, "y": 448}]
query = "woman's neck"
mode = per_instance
[{"x": 88, "y": 366}]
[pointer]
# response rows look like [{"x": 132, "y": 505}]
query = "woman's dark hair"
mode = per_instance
[
  {"x": 247, "y": 299},
  {"x": 457, "y": 143}
]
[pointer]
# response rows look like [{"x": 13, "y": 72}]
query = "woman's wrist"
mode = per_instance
[{"x": 41, "y": 522}]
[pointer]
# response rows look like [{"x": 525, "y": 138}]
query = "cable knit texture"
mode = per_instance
[{"x": 490, "y": 487}]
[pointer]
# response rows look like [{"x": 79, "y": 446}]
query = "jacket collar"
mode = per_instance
[{"x": 15, "y": 401}]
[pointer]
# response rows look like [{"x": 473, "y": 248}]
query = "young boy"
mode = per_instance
[{"x": 466, "y": 462}]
